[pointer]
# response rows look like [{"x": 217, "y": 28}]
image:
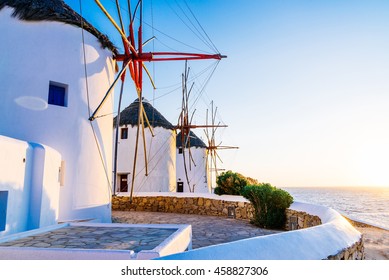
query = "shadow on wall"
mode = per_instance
[
  {"x": 15, "y": 216},
  {"x": 91, "y": 153}
]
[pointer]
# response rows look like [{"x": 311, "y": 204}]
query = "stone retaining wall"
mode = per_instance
[
  {"x": 183, "y": 205},
  {"x": 206, "y": 206},
  {"x": 354, "y": 252},
  {"x": 299, "y": 220}
]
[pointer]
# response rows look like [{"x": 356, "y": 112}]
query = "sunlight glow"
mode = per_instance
[{"x": 373, "y": 162}]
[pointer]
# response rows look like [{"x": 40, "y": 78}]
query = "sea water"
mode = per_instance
[{"x": 364, "y": 204}]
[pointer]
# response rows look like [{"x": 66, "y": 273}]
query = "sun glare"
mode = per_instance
[{"x": 373, "y": 166}]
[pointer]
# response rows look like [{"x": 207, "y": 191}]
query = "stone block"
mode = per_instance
[{"x": 215, "y": 202}]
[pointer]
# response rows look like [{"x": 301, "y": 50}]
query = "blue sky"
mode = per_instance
[{"x": 304, "y": 90}]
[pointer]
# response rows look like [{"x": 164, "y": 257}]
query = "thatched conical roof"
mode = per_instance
[
  {"x": 194, "y": 141},
  {"x": 129, "y": 116},
  {"x": 53, "y": 10}
]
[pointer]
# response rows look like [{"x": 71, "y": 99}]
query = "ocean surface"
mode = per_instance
[{"x": 364, "y": 204}]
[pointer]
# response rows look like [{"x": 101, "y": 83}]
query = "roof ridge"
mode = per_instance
[
  {"x": 129, "y": 116},
  {"x": 195, "y": 141}
]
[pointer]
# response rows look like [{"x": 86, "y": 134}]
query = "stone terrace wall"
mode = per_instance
[
  {"x": 299, "y": 220},
  {"x": 354, "y": 252},
  {"x": 206, "y": 206},
  {"x": 183, "y": 205}
]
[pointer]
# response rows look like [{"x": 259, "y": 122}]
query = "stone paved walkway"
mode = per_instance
[
  {"x": 85, "y": 237},
  {"x": 206, "y": 230}
]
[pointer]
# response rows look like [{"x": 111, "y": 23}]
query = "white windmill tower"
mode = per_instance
[
  {"x": 191, "y": 164},
  {"x": 160, "y": 154},
  {"x": 54, "y": 68}
]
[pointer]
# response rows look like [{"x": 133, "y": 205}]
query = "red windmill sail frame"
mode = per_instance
[{"x": 134, "y": 59}]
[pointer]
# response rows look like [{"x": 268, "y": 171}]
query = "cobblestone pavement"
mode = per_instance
[
  {"x": 206, "y": 230},
  {"x": 85, "y": 237}
]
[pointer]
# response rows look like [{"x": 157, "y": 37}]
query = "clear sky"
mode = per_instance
[{"x": 304, "y": 90}]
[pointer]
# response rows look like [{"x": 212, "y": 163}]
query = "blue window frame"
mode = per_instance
[
  {"x": 3, "y": 209},
  {"x": 57, "y": 94}
]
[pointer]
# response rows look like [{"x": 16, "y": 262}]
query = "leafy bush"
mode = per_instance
[
  {"x": 231, "y": 183},
  {"x": 269, "y": 204},
  {"x": 252, "y": 181}
]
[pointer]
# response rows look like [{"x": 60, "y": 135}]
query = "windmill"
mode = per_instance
[
  {"x": 186, "y": 137},
  {"x": 184, "y": 125},
  {"x": 212, "y": 155},
  {"x": 133, "y": 58}
]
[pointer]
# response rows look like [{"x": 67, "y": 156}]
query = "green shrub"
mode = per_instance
[
  {"x": 252, "y": 181},
  {"x": 218, "y": 191},
  {"x": 231, "y": 183},
  {"x": 269, "y": 204}
]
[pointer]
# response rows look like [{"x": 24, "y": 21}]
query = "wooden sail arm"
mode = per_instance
[
  {"x": 221, "y": 147},
  {"x": 186, "y": 170},
  {"x": 217, "y": 169},
  {"x": 121, "y": 73},
  {"x": 121, "y": 32},
  {"x": 189, "y": 126},
  {"x": 167, "y": 56}
]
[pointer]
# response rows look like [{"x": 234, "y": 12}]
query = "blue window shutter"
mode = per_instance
[
  {"x": 3, "y": 209},
  {"x": 57, "y": 95}
]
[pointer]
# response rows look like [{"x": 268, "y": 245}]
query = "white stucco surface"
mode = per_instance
[
  {"x": 49, "y": 186},
  {"x": 196, "y": 169},
  {"x": 29, "y": 173},
  {"x": 314, "y": 243},
  {"x": 35, "y": 54},
  {"x": 161, "y": 160},
  {"x": 12, "y": 180}
]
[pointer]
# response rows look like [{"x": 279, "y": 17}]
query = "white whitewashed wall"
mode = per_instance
[
  {"x": 161, "y": 158},
  {"x": 196, "y": 169},
  {"x": 32, "y": 55},
  {"x": 29, "y": 185}
]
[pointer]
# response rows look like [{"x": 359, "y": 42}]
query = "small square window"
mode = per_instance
[
  {"x": 124, "y": 133},
  {"x": 57, "y": 94},
  {"x": 180, "y": 150}
]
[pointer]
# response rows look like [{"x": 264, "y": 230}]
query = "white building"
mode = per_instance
[
  {"x": 29, "y": 185},
  {"x": 160, "y": 152},
  {"x": 195, "y": 169},
  {"x": 47, "y": 98}
]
